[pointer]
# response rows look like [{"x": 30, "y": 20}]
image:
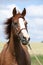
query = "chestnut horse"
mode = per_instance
[{"x": 15, "y": 52}]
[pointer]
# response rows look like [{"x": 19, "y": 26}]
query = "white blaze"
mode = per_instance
[
  {"x": 22, "y": 25},
  {"x": 21, "y": 22}
]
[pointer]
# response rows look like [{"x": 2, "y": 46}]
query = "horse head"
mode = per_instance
[{"x": 19, "y": 26}]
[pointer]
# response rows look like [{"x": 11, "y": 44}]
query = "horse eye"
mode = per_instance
[{"x": 15, "y": 23}]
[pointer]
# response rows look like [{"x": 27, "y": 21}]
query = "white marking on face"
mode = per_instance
[
  {"x": 22, "y": 25},
  {"x": 21, "y": 22}
]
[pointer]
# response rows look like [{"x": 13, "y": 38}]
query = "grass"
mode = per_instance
[
  {"x": 37, "y": 48},
  {"x": 34, "y": 61}
]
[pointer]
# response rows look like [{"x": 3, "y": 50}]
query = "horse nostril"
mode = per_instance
[
  {"x": 24, "y": 37},
  {"x": 29, "y": 39}
]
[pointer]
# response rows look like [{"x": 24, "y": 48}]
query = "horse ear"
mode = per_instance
[
  {"x": 24, "y": 12},
  {"x": 14, "y": 11}
]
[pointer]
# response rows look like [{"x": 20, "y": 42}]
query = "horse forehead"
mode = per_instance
[
  {"x": 21, "y": 20},
  {"x": 17, "y": 16}
]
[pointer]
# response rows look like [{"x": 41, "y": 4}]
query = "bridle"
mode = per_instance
[
  {"x": 21, "y": 30},
  {"x": 13, "y": 24}
]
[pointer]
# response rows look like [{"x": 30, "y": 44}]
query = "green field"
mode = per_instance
[
  {"x": 38, "y": 50},
  {"x": 34, "y": 61}
]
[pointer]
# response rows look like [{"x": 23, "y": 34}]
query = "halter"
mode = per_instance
[{"x": 20, "y": 29}]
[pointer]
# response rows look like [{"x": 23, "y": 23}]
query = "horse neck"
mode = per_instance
[{"x": 15, "y": 45}]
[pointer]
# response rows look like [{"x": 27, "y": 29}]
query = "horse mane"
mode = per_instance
[{"x": 8, "y": 27}]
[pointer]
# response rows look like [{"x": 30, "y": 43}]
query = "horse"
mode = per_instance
[{"x": 15, "y": 51}]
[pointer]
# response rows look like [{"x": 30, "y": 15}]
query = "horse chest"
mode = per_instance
[
  {"x": 10, "y": 61},
  {"x": 21, "y": 61}
]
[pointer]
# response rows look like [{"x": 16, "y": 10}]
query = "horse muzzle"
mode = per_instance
[{"x": 25, "y": 41}]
